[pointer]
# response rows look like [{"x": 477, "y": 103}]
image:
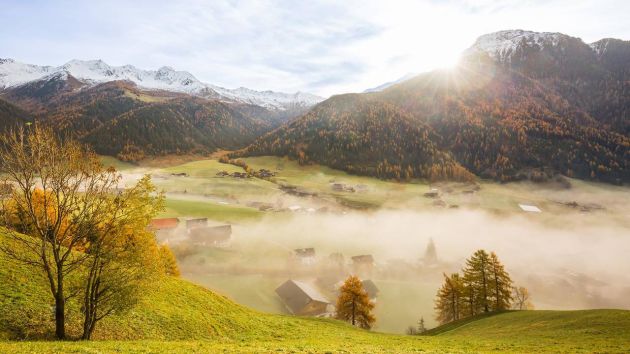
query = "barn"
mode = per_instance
[
  {"x": 198, "y": 222},
  {"x": 301, "y": 298},
  {"x": 216, "y": 236},
  {"x": 164, "y": 224},
  {"x": 363, "y": 265},
  {"x": 306, "y": 256}
]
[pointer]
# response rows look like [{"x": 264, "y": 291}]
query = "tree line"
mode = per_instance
[
  {"x": 484, "y": 286},
  {"x": 65, "y": 215}
]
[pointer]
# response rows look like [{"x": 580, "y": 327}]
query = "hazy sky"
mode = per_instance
[{"x": 324, "y": 47}]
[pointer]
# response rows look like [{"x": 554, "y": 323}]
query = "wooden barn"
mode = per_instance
[
  {"x": 198, "y": 222},
  {"x": 305, "y": 256},
  {"x": 302, "y": 298},
  {"x": 216, "y": 236},
  {"x": 164, "y": 224},
  {"x": 370, "y": 288},
  {"x": 363, "y": 265},
  {"x": 368, "y": 285}
]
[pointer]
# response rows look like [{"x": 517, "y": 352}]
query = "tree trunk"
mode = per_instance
[
  {"x": 353, "y": 309},
  {"x": 485, "y": 287},
  {"x": 60, "y": 313}
]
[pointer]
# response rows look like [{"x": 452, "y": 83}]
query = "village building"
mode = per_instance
[
  {"x": 215, "y": 236},
  {"x": 363, "y": 265},
  {"x": 163, "y": 228},
  {"x": 306, "y": 256},
  {"x": 163, "y": 224},
  {"x": 530, "y": 208},
  {"x": 368, "y": 285},
  {"x": 370, "y": 288},
  {"x": 301, "y": 298},
  {"x": 433, "y": 193},
  {"x": 197, "y": 222}
]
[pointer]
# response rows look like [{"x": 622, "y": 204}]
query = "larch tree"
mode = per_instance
[
  {"x": 354, "y": 305},
  {"x": 486, "y": 286},
  {"x": 58, "y": 186},
  {"x": 477, "y": 277},
  {"x": 500, "y": 284},
  {"x": 448, "y": 303}
]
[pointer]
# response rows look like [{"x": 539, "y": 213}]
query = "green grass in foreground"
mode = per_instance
[
  {"x": 178, "y": 316},
  {"x": 601, "y": 331}
]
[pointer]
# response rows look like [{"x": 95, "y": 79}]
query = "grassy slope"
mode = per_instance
[{"x": 193, "y": 319}]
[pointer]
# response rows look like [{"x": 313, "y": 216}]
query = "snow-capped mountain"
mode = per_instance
[
  {"x": 91, "y": 72},
  {"x": 503, "y": 45}
]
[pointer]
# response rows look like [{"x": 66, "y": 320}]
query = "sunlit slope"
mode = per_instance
[{"x": 190, "y": 318}]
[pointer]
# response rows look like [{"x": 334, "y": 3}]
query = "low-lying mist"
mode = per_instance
[{"x": 573, "y": 261}]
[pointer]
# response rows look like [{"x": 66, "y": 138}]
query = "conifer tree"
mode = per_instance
[
  {"x": 354, "y": 305},
  {"x": 421, "y": 327},
  {"x": 501, "y": 284},
  {"x": 449, "y": 299},
  {"x": 477, "y": 277}
]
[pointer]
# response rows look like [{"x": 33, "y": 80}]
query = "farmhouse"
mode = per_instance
[
  {"x": 306, "y": 256},
  {"x": 164, "y": 224},
  {"x": 363, "y": 265},
  {"x": 370, "y": 288},
  {"x": 433, "y": 193},
  {"x": 302, "y": 298},
  {"x": 368, "y": 285},
  {"x": 216, "y": 236},
  {"x": 198, "y": 222}
]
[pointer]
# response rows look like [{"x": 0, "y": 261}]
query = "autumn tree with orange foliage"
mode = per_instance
[
  {"x": 354, "y": 305},
  {"x": 123, "y": 254},
  {"x": 64, "y": 213}
]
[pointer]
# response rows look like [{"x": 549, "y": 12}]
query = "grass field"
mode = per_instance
[
  {"x": 178, "y": 316},
  {"x": 373, "y": 193}
]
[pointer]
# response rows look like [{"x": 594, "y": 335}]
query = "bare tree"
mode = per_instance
[
  {"x": 521, "y": 299},
  {"x": 58, "y": 187}
]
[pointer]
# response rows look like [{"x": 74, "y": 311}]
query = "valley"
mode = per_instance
[
  {"x": 394, "y": 222},
  {"x": 269, "y": 202}
]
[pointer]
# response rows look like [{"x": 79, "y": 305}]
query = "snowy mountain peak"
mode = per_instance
[
  {"x": 93, "y": 72},
  {"x": 503, "y": 44}
]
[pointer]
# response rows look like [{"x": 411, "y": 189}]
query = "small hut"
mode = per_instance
[
  {"x": 215, "y": 236},
  {"x": 163, "y": 224},
  {"x": 370, "y": 288},
  {"x": 302, "y": 298},
  {"x": 306, "y": 256},
  {"x": 198, "y": 222},
  {"x": 363, "y": 265}
]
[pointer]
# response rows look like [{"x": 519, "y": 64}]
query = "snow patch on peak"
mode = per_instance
[
  {"x": 601, "y": 47},
  {"x": 93, "y": 72},
  {"x": 503, "y": 44}
]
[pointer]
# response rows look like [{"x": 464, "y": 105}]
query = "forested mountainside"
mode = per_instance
[
  {"x": 516, "y": 107},
  {"x": 11, "y": 116},
  {"x": 364, "y": 136},
  {"x": 120, "y": 119}
]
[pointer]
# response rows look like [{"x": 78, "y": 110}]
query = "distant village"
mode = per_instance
[{"x": 312, "y": 281}]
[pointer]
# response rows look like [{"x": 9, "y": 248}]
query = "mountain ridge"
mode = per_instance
[{"x": 92, "y": 72}]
